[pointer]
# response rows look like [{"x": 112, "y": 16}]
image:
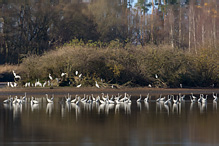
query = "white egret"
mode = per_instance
[
  {"x": 74, "y": 100},
  {"x": 34, "y": 101},
  {"x": 194, "y": 97},
  {"x": 50, "y": 77},
  {"x": 68, "y": 99},
  {"x": 16, "y": 76},
  {"x": 24, "y": 98},
  {"x": 168, "y": 100},
  {"x": 139, "y": 99},
  {"x": 97, "y": 85},
  {"x": 11, "y": 84},
  {"x": 7, "y": 100},
  {"x": 77, "y": 102},
  {"x": 44, "y": 84},
  {"x": 15, "y": 84},
  {"x": 78, "y": 86},
  {"x": 49, "y": 100},
  {"x": 204, "y": 100},
  {"x": 215, "y": 96},
  {"x": 175, "y": 101},
  {"x": 200, "y": 98},
  {"x": 63, "y": 74},
  {"x": 181, "y": 97},
  {"x": 158, "y": 98},
  {"x": 37, "y": 83},
  {"x": 15, "y": 100},
  {"x": 110, "y": 101},
  {"x": 146, "y": 98}
]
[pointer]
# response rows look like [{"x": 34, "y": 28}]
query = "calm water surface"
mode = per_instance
[{"x": 134, "y": 124}]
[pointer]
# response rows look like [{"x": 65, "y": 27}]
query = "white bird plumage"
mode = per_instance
[
  {"x": 63, "y": 74},
  {"x": 16, "y": 76},
  {"x": 139, "y": 99},
  {"x": 146, "y": 98},
  {"x": 215, "y": 96},
  {"x": 50, "y": 77},
  {"x": 204, "y": 100},
  {"x": 49, "y": 100},
  {"x": 78, "y": 86},
  {"x": 97, "y": 85},
  {"x": 34, "y": 101}
]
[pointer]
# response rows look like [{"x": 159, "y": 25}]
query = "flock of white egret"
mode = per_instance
[
  {"x": 48, "y": 83},
  {"x": 113, "y": 99},
  {"x": 105, "y": 103}
]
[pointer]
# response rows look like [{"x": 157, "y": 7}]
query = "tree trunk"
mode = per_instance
[
  {"x": 152, "y": 22},
  {"x": 190, "y": 28},
  {"x": 180, "y": 25},
  {"x": 171, "y": 34},
  {"x": 194, "y": 30},
  {"x": 214, "y": 32},
  {"x": 203, "y": 34}
]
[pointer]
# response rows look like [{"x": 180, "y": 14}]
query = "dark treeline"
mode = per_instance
[{"x": 35, "y": 26}]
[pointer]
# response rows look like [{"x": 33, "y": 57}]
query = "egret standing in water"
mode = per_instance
[
  {"x": 215, "y": 96},
  {"x": 34, "y": 101},
  {"x": 139, "y": 99},
  {"x": 49, "y": 100}
]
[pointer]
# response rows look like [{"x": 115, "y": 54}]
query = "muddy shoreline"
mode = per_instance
[{"x": 60, "y": 91}]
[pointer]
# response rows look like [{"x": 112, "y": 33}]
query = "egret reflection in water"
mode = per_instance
[
  {"x": 214, "y": 105},
  {"x": 121, "y": 120},
  {"x": 49, "y": 108}
]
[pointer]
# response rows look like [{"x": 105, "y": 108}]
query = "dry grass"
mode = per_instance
[{"x": 8, "y": 68}]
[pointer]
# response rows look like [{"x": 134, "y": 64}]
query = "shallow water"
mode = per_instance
[{"x": 62, "y": 123}]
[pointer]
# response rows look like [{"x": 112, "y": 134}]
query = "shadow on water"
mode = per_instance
[{"x": 93, "y": 123}]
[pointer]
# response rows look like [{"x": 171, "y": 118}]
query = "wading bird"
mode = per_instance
[
  {"x": 97, "y": 85},
  {"x": 49, "y": 100},
  {"x": 139, "y": 99},
  {"x": 63, "y": 74},
  {"x": 215, "y": 96},
  {"x": 33, "y": 101},
  {"x": 146, "y": 98},
  {"x": 78, "y": 86},
  {"x": 16, "y": 76},
  {"x": 50, "y": 77}
]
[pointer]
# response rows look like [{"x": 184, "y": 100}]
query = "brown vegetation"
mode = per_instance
[
  {"x": 7, "y": 68},
  {"x": 135, "y": 65}
]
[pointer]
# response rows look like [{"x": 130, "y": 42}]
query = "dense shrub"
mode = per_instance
[{"x": 120, "y": 65}]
